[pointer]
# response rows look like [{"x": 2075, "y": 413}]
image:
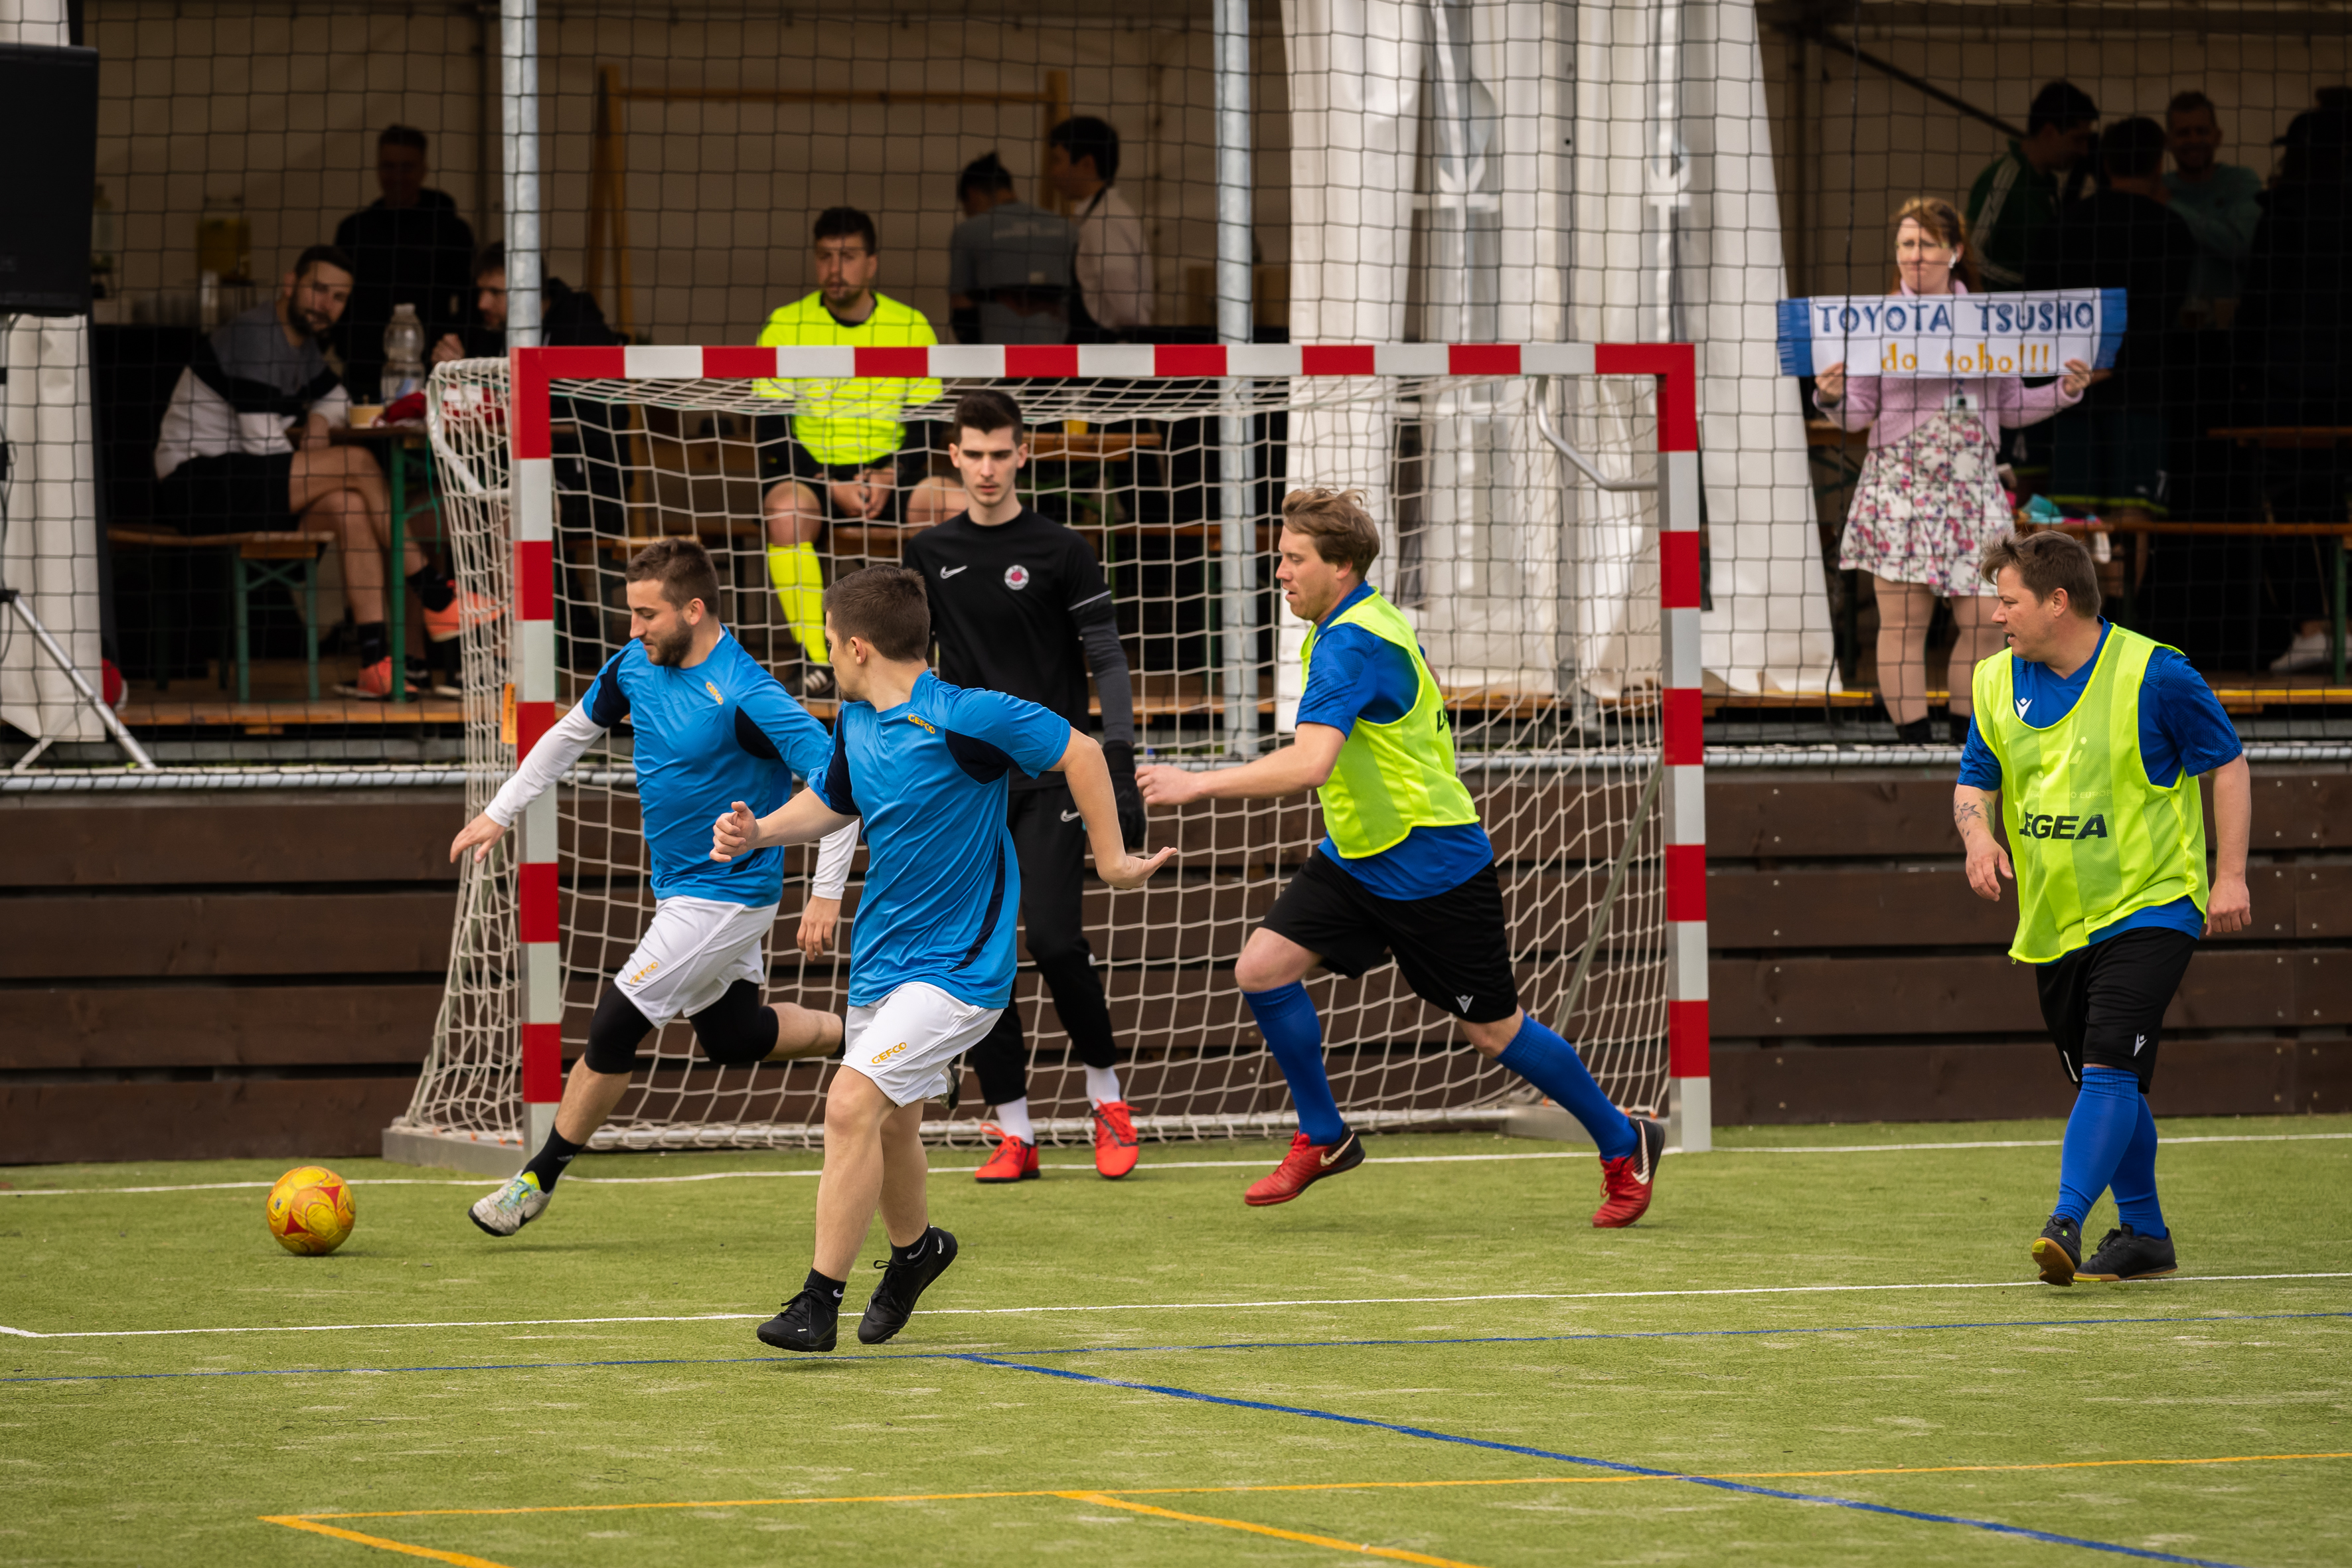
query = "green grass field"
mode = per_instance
[{"x": 1434, "y": 1360}]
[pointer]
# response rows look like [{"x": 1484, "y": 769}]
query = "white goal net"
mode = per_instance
[{"x": 1534, "y": 589}]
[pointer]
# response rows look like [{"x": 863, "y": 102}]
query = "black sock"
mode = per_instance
[
  {"x": 375, "y": 644},
  {"x": 434, "y": 590},
  {"x": 825, "y": 1288},
  {"x": 912, "y": 1250},
  {"x": 549, "y": 1163}
]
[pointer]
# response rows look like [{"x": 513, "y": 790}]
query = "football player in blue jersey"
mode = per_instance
[
  {"x": 926, "y": 766},
  {"x": 711, "y": 726}
]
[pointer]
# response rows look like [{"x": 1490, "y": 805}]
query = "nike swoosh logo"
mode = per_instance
[
  {"x": 1338, "y": 1148},
  {"x": 1072, "y": 815},
  {"x": 948, "y": 571}
]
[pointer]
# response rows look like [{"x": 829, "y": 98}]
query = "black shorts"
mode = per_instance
[
  {"x": 782, "y": 457},
  {"x": 1454, "y": 948},
  {"x": 2105, "y": 1004},
  {"x": 237, "y": 492}
]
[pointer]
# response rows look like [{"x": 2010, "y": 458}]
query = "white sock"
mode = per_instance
[
  {"x": 1015, "y": 1119},
  {"x": 1102, "y": 1083}
]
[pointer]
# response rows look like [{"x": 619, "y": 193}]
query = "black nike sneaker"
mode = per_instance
[
  {"x": 2126, "y": 1254},
  {"x": 810, "y": 1321},
  {"x": 2058, "y": 1251},
  {"x": 893, "y": 1301}
]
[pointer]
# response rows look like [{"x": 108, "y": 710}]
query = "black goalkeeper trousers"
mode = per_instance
[{"x": 1050, "y": 842}]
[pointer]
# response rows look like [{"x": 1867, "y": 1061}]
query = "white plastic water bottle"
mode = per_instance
[{"x": 403, "y": 354}]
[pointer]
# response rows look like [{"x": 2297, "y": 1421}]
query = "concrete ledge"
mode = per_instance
[{"x": 451, "y": 1152}]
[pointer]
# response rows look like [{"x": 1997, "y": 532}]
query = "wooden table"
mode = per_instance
[{"x": 392, "y": 443}]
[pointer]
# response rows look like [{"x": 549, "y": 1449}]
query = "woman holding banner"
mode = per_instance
[{"x": 1929, "y": 500}]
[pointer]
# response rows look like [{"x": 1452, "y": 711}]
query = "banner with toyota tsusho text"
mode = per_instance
[{"x": 2032, "y": 334}]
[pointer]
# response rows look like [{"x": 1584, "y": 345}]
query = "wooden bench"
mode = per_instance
[{"x": 255, "y": 560}]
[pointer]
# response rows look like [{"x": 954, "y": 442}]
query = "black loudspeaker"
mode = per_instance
[{"x": 48, "y": 116}]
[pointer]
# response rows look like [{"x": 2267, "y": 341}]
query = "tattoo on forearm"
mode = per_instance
[{"x": 1966, "y": 812}]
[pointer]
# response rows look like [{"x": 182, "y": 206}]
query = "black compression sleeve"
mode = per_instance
[
  {"x": 616, "y": 1033},
  {"x": 1107, "y": 660}
]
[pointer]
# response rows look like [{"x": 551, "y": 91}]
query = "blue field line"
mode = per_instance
[
  {"x": 1819, "y": 1498},
  {"x": 1170, "y": 1349}
]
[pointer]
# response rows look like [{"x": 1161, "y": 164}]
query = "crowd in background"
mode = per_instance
[{"x": 2233, "y": 322}]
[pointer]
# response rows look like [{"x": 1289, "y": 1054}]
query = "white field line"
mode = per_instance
[
  {"x": 2173, "y": 1281},
  {"x": 1186, "y": 1164}
]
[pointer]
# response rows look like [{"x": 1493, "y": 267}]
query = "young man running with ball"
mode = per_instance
[
  {"x": 925, "y": 765},
  {"x": 1406, "y": 868},
  {"x": 2089, "y": 740},
  {"x": 1020, "y": 607},
  {"x": 712, "y": 727}
]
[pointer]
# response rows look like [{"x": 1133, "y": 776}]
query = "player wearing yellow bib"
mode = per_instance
[
  {"x": 2089, "y": 740},
  {"x": 843, "y": 454},
  {"x": 1406, "y": 869}
]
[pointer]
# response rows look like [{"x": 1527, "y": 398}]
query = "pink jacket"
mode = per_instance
[{"x": 1891, "y": 407}]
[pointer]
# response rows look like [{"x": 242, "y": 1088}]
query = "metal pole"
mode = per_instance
[
  {"x": 519, "y": 164},
  {"x": 1669, "y": 172},
  {"x": 14, "y": 600},
  {"x": 1236, "y": 471}
]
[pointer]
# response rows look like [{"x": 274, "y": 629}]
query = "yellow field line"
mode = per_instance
[
  {"x": 316, "y": 1524},
  {"x": 1296, "y": 1487},
  {"x": 1104, "y": 1500},
  {"x": 297, "y": 1522}
]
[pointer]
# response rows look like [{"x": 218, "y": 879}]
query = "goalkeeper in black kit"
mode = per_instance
[{"x": 1019, "y": 605}]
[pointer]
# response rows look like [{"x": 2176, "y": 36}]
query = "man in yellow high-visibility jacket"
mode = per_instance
[
  {"x": 843, "y": 453},
  {"x": 2089, "y": 739},
  {"x": 1407, "y": 869}
]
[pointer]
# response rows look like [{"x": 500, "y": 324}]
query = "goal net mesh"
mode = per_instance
[{"x": 1534, "y": 593}]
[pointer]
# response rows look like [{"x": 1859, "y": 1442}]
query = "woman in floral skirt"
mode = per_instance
[{"x": 1929, "y": 502}]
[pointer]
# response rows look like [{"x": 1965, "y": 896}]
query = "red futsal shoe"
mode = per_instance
[
  {"x": 1626, "y": 1184},
  {"x": 1013, "y": 1162},
  {"x": 1115, "y": 1150},
  {"x": 1306, "y": 1165}
]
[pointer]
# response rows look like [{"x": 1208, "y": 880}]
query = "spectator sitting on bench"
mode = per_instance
[{"x": 244, "y": 449}]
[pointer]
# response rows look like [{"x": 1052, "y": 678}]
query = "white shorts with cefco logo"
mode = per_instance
[
  {"x": 908, "y": 1043},
  {"x": 691, "y": 952}
]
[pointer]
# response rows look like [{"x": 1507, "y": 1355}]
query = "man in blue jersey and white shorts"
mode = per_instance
[
  {"x": 926, "y": 766},
  {"x": 712, "y": 727}
]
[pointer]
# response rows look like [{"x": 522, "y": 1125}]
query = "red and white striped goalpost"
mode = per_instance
[{"x": 1674, "y": 366}]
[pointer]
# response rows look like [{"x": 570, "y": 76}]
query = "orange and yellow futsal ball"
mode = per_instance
[{"x": 310, "y": 1210}]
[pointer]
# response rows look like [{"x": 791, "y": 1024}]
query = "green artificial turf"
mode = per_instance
[{"x": 1721, "y": 1372}]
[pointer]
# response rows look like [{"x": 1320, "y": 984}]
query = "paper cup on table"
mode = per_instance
[{"x": 366, "y": 414}]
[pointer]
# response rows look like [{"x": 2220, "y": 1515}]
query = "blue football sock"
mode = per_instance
[
  {"x": 1285, "y": 1016},
  {"x": 2134, "y": 1180},
  {"x": 2106, "y": 1115},
  {"x": 1552, "y": 1064}
]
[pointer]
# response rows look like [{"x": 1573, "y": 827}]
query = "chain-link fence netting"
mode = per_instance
[{"x": 1373, "y": 171}]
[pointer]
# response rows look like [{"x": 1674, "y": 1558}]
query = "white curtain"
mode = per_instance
[
  {"x": 51, "y": 553},
  {"x": 1598, "y": 173},
  {"x": 1769, "y": 626},
  {"x": 1445, "y": 117},
  {"x": 1355, "y": 126}
]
